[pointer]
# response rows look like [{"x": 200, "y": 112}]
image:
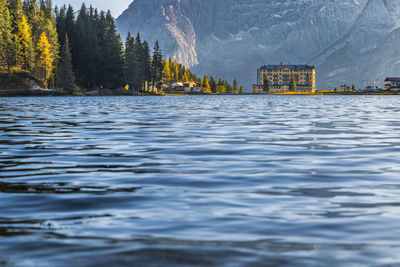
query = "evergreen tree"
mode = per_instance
[
  {"x": 46, "y": 7},
  {"x": 180, "y": 72},
  {"x": 213, "y": 85},
  {"x": 229, "y": 88},
  {"x": 66, "y": 77},
  {"x": 95, "y": 52},
  {"x": 146, "y": 62},
  {"x": 235, "y": 86},
  {"x": 157, "y": 66},
  {"x": 353, "y": 88},
  {"x": 292, "y": 84},
  {"x": 44, "y": 59},
  {"x": 69, "y": 25},
  {"x": 140, "y": 62},
  {"x": 130, "y": 61},
  {"x": 241, "y": 90},
  {"x": 24, "y": 49},
  {"x": 80, "y": 47},
  {"x": 266, "y": 85},
  {"x": 7, "y": 40},
  {"x": 60, "y": 24}
]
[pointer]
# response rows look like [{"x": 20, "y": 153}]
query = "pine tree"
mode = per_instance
[
  {"x": 146, "y": 61},
  {"x": 241, "y": 90},
  {"x": 130, "y": 61},
  {"x": 44, "y": 59},
  {"x": 213, "y": 85},
  {"x": 140, "y": 62},
  {"x": 157, "y": 66},
  {"x": 292, "y": 84},
  {"x": 66, "y": 77},
  {"x": 266, "y": 85},
  {"x": 24, "y": 49},
  {"x": 180, "y": 72},
  {"x": 7, "y": 40},
  {"x": 47, "y": 7},
  {"x": 235, "y": 86},
  {"x": 95, "y": 52},
  {"x": 79, "y": 46},
  {"x": 69, "y": 25}
]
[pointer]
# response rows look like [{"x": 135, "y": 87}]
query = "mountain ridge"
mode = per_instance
[{"x": 232, "y": 38}]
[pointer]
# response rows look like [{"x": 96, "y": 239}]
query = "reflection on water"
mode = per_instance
[{"x": 222, "y": 181}]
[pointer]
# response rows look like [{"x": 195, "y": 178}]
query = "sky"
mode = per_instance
[{"x": 116, "y": 6}]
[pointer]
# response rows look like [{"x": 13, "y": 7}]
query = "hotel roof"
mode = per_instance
[
  {"x": 292, "y": 67},
  {"x": 392, "y": 79}
]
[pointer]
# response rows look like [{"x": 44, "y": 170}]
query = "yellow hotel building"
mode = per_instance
[{"x": 279, "y": 78}]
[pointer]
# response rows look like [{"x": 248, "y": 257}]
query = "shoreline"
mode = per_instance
[{"x": 36, "y": 92}]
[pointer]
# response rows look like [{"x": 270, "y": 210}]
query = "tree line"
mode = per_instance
[
  {"x": 174, "y": 71},
  {"x": 70, "y": 50}
]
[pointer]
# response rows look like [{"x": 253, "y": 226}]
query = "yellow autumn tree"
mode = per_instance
[
  {"x": 167, "y": 72},
  {"x": 185, "y": 77},
  {"x": 44, "y": 59},
  {"x": 206, "y": 85},
  {"x": 175, "y": 70},
  {"x": 4, "y": 22},
  {"x": 25, "y": 53}
]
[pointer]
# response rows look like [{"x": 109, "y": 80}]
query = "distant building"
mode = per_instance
[
  {"x": 188, "y": 86},
  {"x": 279, "y": 78},
  {"x": 345, "y": 88},
  {"x": 392, "y": 82},
  {"x": 372, "y": 88},
  {"x": 196, "y": 89},
  {"x": 177, "y": 86}
]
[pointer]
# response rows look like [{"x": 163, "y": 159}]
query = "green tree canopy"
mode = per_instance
[
  {"x": 66, "y": 77},
  {"x": 292, "y": 84}
]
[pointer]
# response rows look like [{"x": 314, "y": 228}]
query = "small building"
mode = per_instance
[
  {"x": 177, "y": 86},
  {"x": 188, "y": 86},
  {"x": 196, "y": 89},
  {"x": 257, "y": 89},
  {"x": 392, "y": 82},
  {"x": 372, "y": 88},
  {"x": 345, "y": 88}
]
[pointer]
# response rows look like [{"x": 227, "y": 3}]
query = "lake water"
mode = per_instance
[{"x": 200, "y": 181}]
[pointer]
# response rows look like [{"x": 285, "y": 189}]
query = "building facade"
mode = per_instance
[
  {"x": 392, "y": 82},
  {"x": 279, "y": 77}
]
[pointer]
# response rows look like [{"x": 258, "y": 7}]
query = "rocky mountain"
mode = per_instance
[{"x": 350, "y": 41}]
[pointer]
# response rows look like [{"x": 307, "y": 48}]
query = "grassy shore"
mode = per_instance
[{"x": 339, "y": 93}]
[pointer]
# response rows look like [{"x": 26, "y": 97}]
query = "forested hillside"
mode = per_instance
[{"x": 62, "y": 48}]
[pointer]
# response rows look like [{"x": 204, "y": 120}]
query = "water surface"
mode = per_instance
[{"x": 200, "y": 181}]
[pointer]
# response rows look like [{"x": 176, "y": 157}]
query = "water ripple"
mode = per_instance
[{"x": 195, "y": 181}]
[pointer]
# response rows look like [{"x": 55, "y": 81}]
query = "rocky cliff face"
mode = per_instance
[{"x": 348, "y": 40}]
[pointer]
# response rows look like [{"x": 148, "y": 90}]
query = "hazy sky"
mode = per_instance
[{"x": 116, "y": 6}]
